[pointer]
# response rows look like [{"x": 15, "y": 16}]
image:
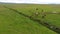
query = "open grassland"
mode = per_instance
[
  {"x": 30, "y": 9},
  {"x": 14, "y": 23}
]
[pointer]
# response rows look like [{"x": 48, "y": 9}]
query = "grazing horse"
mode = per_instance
[
  {"x": 43, "y": 14},
  {"x": 36, "y": 8},
  {"x": 36, "y": 13}
]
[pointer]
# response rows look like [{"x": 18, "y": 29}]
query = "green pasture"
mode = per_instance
[
  {"x": 14, "y": 23},
  {"x": 30, "y": 9}
]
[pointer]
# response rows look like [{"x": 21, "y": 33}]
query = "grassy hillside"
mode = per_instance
[
  {"x": 30, "y": 9},
  {"x": 14, "y": 23}
]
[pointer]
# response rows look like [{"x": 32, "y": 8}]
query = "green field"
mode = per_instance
[{"x": 14, "y": 23}]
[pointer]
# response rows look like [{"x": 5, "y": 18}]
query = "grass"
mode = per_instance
[
  {"x": 30, "y": 10},
  {"x": 14, "y": 23}
]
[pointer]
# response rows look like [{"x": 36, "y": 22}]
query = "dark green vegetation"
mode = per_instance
[{"x": 14, "y": 23}]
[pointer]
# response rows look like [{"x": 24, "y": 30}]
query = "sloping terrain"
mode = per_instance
[
  {"x": 14, "y": 23},
  {"x": 31, "y": 9}
]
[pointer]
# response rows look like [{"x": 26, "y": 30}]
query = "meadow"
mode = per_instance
[
  {"x": 30, "y": 9},
  {"x": 14, "y": 23}
]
